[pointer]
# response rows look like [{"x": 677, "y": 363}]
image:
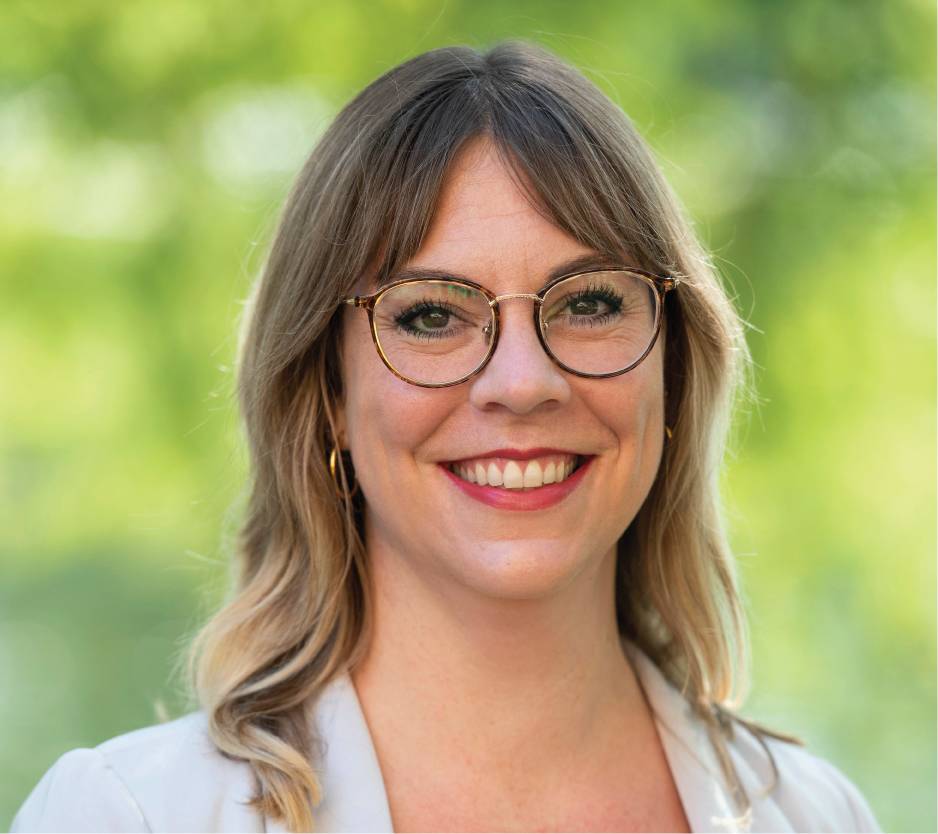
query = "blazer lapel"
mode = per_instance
[
  {"x": 354, "y": 798},
  {"x": 688, "y": 749}
]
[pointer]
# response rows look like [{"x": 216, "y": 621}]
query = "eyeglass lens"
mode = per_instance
[{"x": 435, "y": 332}]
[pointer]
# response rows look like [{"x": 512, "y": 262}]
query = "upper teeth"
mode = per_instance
[{"x": 516, "y": 474}]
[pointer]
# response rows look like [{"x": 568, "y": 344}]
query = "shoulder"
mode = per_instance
[
  {"x": 789, "y": 787},
  {"x": 809, "y": 792},
  {"x": 168, "y": 777}
]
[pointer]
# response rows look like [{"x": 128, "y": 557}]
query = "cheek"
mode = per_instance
[
  {"x": 639, "y": 394},
  {"x": 649, "y": 423},
  {"x": 386, "y": 418},
  {"x": 632, "y": 410}
]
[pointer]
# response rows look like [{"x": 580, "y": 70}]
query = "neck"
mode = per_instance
[{"x": 506, "y": 683}]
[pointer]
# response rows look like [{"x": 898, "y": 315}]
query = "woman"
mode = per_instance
[{"x": 483, "y": 581}]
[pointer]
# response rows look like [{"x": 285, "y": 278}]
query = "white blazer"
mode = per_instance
[{"x": 170, "y": 777}]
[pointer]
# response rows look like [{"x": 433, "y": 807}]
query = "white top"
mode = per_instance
[{"x": 170, "y": 777}]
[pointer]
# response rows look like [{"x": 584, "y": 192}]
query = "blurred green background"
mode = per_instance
[{"x": 145, "y": 149}]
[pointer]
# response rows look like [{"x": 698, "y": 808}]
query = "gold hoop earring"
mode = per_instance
[
  {"x": 333, "y": 461},
  {"x": 667, "y": 431}
]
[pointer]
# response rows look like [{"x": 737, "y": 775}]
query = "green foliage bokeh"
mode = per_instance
[{"x": 145, "y": 150}]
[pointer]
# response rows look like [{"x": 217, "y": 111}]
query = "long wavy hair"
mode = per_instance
[{"x": 299, "y": 611}]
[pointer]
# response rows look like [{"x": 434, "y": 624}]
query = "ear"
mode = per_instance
[
  {"x": 341, "y": 425},
  {"x": 333, "y": 385},
  {"x": 337, "y": 401}
]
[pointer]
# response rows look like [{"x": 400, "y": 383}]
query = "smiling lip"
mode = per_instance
[{"x": 539, "y": 498}]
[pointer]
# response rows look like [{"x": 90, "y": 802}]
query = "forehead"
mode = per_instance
[
  {"x": 485, "y": 221},
  {"x": 486, "y": 228}
]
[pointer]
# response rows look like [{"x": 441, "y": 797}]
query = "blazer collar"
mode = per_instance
[{"x": 354, "y": 795}]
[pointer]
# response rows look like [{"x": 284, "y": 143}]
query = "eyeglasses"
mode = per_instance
[{"x": 440, "y": 332}]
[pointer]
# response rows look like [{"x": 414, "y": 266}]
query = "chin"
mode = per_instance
[{"x": 519, "y": 569}]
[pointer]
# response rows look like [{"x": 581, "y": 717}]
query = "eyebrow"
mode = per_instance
[{"x": 583, "y": 262}]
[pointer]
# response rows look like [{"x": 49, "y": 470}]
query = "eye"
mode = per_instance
[
  {"x": 429, "y": 317},
  {"x": 585, "y": 305},
  {"x": 426, "y": 320},
  {"x": 590, "y": 305}
]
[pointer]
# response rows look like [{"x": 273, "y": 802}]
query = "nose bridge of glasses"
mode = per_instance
[
  {"x": 506, "y": 296},
  {"x": 493, "y": 304}
]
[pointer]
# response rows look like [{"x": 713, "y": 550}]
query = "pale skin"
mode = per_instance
[{"x": 495, "y": 686}]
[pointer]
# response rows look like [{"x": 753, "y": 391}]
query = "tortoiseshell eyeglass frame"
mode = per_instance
[{"x": 661, "y": 284}]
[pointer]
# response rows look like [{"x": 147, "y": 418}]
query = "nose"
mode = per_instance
[{"x": 519, "y": 376}]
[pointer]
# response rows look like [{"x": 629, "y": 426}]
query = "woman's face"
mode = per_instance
[{"x": 499, "y": 542}]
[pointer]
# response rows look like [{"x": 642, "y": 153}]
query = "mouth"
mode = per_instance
[{"x": 521, "y": 475}]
